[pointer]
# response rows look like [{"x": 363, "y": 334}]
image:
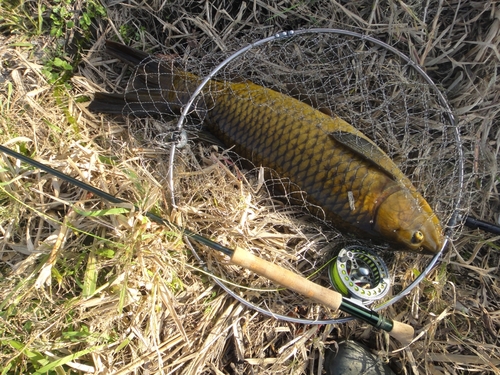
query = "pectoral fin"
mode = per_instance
[{"x": 370, "y": 152}]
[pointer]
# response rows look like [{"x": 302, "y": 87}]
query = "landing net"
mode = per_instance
[{"x": 369, "y": 84}]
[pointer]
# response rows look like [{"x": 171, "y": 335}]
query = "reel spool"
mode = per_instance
[{"x": 360, "y": 274}]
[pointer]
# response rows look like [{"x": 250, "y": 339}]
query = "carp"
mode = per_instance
[{"x": 357, "y": 185}]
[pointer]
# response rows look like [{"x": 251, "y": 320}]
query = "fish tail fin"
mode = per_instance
[
  {"x": 126, "y": 54},
  {"x": 139, "y": 104},
  {"x": 156, "y": 87},
  {"x": 107, "y": 103}
]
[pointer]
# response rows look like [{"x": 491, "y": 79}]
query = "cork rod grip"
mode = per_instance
[
  {"x": 402, "y": 332},
  {"x": 287, "y": 278}
]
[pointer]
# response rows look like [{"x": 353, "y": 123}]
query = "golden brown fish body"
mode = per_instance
[{"x": 356, "y": 184}]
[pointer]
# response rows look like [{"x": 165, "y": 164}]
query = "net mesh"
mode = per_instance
[{"x": 377, "y": 91}]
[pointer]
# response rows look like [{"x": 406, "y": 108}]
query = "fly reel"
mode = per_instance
[{"x": 360, "y": 274}]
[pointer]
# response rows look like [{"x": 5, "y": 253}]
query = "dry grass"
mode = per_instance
[{"x": 108, "y": 291}]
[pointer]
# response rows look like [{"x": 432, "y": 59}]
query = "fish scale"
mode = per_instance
[
  {"x": 277, "y": 140},
  {"x": 341, "y": 170}
]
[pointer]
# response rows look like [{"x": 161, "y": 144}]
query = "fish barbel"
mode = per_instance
[{"x": 355, "y": 183}]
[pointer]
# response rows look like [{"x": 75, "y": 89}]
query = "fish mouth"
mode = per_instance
[
  {"x": 433, "y": 245},
  {"x": 433, "y": 238},
  {"x": 430, "y": 246}
]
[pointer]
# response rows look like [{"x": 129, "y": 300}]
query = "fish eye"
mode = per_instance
[{"x": 417, "y": 238}]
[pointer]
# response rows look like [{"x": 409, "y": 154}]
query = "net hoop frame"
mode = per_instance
[{"x": 452, "y": 222}]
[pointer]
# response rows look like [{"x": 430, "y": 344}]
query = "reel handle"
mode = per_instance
[{"x": 402, "y": 332}]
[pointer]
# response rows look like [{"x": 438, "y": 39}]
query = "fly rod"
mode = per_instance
[{"x": 402, "y": 332}]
